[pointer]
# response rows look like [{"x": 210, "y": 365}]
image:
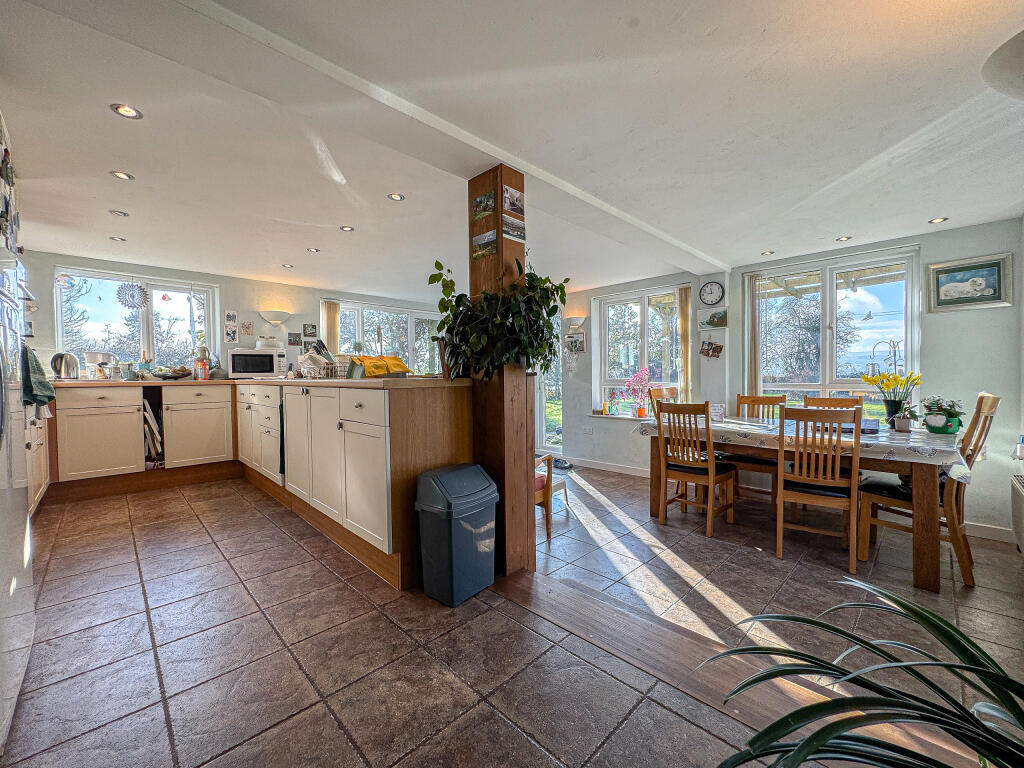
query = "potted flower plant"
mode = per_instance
[
  {"x": 942, "y": 417},
  {"x": 895, "y": 389},
  {"x": 637, "y": 387},
  {"x": 906, "y": 416}
]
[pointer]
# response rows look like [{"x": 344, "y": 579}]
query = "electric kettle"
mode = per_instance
[{"x": 64, "y": 365}]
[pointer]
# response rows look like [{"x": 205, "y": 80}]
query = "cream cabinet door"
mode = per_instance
[
  {"x": 197, "y": 433},
  {"x": 38, "y": 462},
  {"x": 368, "y": 482},
  {"x": 94, "y": 442},
  {"x": 327, "y": 480},
  {"x": 246, "y": 453},
  {"x": 296, "y": 442},
  {"x": 270, "y": 453}
]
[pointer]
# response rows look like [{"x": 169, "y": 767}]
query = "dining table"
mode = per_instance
[{"x": 919, "y": 454}]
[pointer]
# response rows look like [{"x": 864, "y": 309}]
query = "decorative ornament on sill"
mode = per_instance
[{"x": 132, "y": 295}]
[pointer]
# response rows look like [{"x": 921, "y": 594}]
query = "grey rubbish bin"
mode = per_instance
[{"x": 456, "y": 510}]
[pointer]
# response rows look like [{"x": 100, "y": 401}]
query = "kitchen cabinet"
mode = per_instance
[
  {"x": 38, "y": 455},
  {"x": 197, "y": 433},
  {"x": 367, "y": 482},
  {"x": 326, "y": 443},
  {"x": 296, "y": 441},
  {"x": 268, "y": 441},
  {"x": 243, "y": 422},
  {"x": 99, "y": 441}
]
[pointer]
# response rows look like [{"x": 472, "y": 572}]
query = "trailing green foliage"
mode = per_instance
[
  {"x": 498, "y": 329},
  {"x": 993, "y": 728}
]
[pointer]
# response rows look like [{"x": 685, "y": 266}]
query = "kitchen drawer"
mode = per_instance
[
  {"x": 243, "y": 392},
  {"x": 266, "y": 395},
  {"x": 98, "y": 397},
  {"x": 266, "y": 416},
  {"x": 197, "y": 393},
  {"x": 367, "y": 406}
]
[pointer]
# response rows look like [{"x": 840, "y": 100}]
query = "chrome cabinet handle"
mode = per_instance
[
  {"x": 139, "y": 408},
  {"x": 199, "y": 394},
  {"x": 341, "y": 425},
  {"x": 40, "y": 442},
  {"x": 357, "y": 404},
  {"x": 101, "y": 397},
  {"x": 248, "y": 407},
  {"x": 28, "y": 446},
  {"x": 266, "y": 418},
  {"x": 267, "y": 397},
  {"x": 33, "y": 422}
]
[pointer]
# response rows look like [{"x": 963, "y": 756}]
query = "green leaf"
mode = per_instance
[{"x": 434, "y": 278}]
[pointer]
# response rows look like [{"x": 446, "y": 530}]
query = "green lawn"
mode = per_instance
[{"x": 552, "y": 421}]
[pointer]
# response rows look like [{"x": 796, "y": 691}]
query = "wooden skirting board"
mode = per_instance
[
  {"x": 150, "y": 480},
  {"x": 671, "y": 653}
]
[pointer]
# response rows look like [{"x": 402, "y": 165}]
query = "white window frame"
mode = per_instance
[
  {"x": 604, "y": 382},
  {"x": 359, "y": 307},
  {"x": 152, "y": 286},
  {"x": 828, "y": 268}
]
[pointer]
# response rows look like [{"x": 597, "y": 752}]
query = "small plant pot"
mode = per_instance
[
  {"x": 641, "y": 413},
  {"x": 901, "y": 425},
  {"x": 949, "y": 427},
  {"x": 892, "y": 407}
]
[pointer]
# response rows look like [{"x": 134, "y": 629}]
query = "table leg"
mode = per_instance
[
  {"x": 926, "y": 525},
  {"x": 657, "y": 484}
]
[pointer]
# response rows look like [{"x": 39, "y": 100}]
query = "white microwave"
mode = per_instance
[{"x": 257, "y": 363}]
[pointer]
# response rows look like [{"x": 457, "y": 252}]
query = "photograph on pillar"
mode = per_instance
[
  {"x": 485, "y": 244},
  {"x": 483, "y": 205},
  {"x": 513, "y": 229},
  {"x": 512, "y": 200}
]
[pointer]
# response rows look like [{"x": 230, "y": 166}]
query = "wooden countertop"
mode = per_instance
[{"x": 409, "y": 383}]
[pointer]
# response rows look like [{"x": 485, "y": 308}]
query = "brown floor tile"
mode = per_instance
[
  {"x": 653, "y": 737},
  {"x": 158, "y": 512},
  {"x": 343, "y": 564},
  {"x": 642, "y": 602},
  {"x": 541, "y": 626},
  {"x": 172, "y": 543},
  {"x": 565, "y": 548},
  {"x": 373, "y": 587},
  {"x": 65, "y": 618},
  {"x": 291, "y": 582},
  {"x": 711, "y": 720},
  {"x": 478, "y": 738},
  {"x": 223, "y": 508},
  {"x": 684, "y": 616},
  {"x": 269, "y": 560},
  {"x": 69, "y": 708},
  {"x": 178, "y": 586},
  {"x": 573, "y": 572},
  {"x": 314, "y": 612},
  {"x": 181, "y": 560},
  {"x": 136, "y": 741},
  {"x": 344, "y": 653},
  {"x": 74, "y": 565},
  {"x": 246, "y": 701},
  {"x": 594, "y": 534},
  {"x": 415, "y": 695},
  {"x": 992, "y": 627},
  {"x": 311, "y": 739},
  {"x": 81, "y": 544},
  {"x": 177, "y": 526},
  {"x": 662, "y": 582},
  {"x": 229, "y": 528},
  {"x": 196, "y": 658},
  {"x": 608, "y": 564},
  {"x": 194, "y": 614},
  {"x": 488, "y": 650},
  {"x": 425, "y": 619},
  {"x": 154, "y": 497},
  {"x": 321, "y": 546},
  {"x": 93, "y": 523},
  {"x": 202, "y": 493},
  {"x": 62, "y": 657},
  {"x": 606, "y": 662},
  {"x": 983, "y": 599},
  {"x": 588, "y": 703},
  {"x": 73, "y": 587},
  {"x": 253, "y": 542},
  {"x": 547, "y": 563}
]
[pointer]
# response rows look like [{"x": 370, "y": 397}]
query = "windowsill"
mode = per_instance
[{"x": 617, "y": 417}]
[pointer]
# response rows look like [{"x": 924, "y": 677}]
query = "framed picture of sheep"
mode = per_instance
[{"x": 981, "y": 282}]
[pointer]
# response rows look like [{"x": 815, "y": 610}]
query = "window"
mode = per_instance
[
  {"x": 375, "y": 330},
  {"x": 817, "y": 331},
  {"x": 102, "y": 312},
  {"x": 644, "y": 330}
]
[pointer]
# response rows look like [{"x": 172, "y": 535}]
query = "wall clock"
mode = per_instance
[{"x": 712, "y": 292}]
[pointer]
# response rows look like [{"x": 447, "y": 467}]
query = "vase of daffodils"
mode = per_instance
[{"x": 895, "y": 389}]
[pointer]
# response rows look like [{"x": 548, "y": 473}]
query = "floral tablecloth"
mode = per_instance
[{"x": 919, "y": 445}]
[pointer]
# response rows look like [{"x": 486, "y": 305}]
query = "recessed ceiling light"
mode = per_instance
[
  {"x": 122, "y": 175},
  {"x": 397, "y": 197},
  {"x": 288, "y": 266},
  {"x": 844, "y": 238},
  {"x": 118, "y": 238},
  {"x": 767, "y": 253},
  {"x": 347, "y": 228},
  {"x": 115, "y": 212},
  {"x": 313, "y": 250},
  {"x": 127, "y": 110},
  {"x": 938, "y": 219}
]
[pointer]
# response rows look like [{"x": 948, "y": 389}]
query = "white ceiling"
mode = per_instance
[{"x": 656, "y": 136}]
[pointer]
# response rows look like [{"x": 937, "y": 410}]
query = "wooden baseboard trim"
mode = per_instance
[
  {"x": 386, "y": 566},
  {"x": 151, "y": 480}
]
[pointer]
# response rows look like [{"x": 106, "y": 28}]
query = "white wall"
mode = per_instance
[{"x": 246, "y": 297}]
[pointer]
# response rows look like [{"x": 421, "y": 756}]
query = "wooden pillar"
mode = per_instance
[{"x": 502, "y": 407}]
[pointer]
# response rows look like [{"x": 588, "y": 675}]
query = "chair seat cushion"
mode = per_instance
[
  {"x": 738, "y": 458},
  {"x": 539, "y": 481},
  {"x": 832, "y": 491},
  {"x": 890, "y": 489},
  {"x": 721, "y": 468}
]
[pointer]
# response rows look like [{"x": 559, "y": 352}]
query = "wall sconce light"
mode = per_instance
[{"x": 274, "y": 316}]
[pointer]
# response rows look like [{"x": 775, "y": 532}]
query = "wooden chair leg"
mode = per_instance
[
  {"x": 663, "y": 513},
  {"x": 852, "y": 517},
  {"x": 864, "y": 530},
  {"x": 710, "y": 507},
  {"x": 962, "y": 550},
  {"x": 547, "y": 514},
  {"x": 730, "y": 496},
  {"x": 780, "y": 522}
]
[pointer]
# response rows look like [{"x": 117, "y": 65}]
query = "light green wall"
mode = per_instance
[{"x": 246, "y": 297}]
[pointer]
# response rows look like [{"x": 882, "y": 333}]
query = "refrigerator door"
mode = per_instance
[{"x": 17, "y": 592}]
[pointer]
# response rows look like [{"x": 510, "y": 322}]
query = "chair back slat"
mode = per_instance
[
  {"x": 856, "y": 401},
  {"x": 658, "y": 394},
  {"x": 680, "y": 433},
  {"x": 977, "y": 430},
  {"x": 817, "y": 441},
  {"x": 759, "y": 406}
]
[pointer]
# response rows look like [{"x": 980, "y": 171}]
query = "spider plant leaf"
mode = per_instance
[
  {"x": 994, "y": 710},
  {"x": 773, "y": 672}
]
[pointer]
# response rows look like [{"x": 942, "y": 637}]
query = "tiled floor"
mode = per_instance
[{"x": 207, "y": 625}]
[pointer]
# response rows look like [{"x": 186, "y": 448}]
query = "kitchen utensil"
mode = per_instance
[{"x": 64, "y": 365}]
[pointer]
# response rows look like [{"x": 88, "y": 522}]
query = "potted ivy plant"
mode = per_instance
[
  {"x": 516, "y": 327},
  {"x": 942, "y": 417},
  {"x": 905, "y": 418}
]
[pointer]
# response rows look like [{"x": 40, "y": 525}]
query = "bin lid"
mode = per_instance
[{"x": 455, "y": 491}]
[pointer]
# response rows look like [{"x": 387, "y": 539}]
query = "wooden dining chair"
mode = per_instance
[
  {"x": 816, "y": 475},
  {"x": 757, "y": 407},
  {"x": 544, "y": 487},
  {"x": 685, "y": 459},
  {"x": 856, "y": 401},
  {"x": 657, "y": 394},
  {"x": 890, "y": 495}
]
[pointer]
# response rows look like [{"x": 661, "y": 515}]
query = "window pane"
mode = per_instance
[
  {"x": 663, "y": 338},
  {"x": 93, "y": 320},
  {"x": 619, "y": 404},
  {"x": 179, "y": 326},
  {"x": 623, "y": 342},
  {"x": 874, "y": 408},
  {"x": 426, "y": 350},
  {"x": 869, "y": 324},
  {"x": 552, "y": 402},
  {"x": 347, "y": 331},
  {"x": 386, "y": 333},
  {"x": 789, "y": 328},
  {"x": 794, "y": 397}
]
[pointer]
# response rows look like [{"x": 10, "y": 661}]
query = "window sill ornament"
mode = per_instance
[{"x": 132, "y": 295}]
